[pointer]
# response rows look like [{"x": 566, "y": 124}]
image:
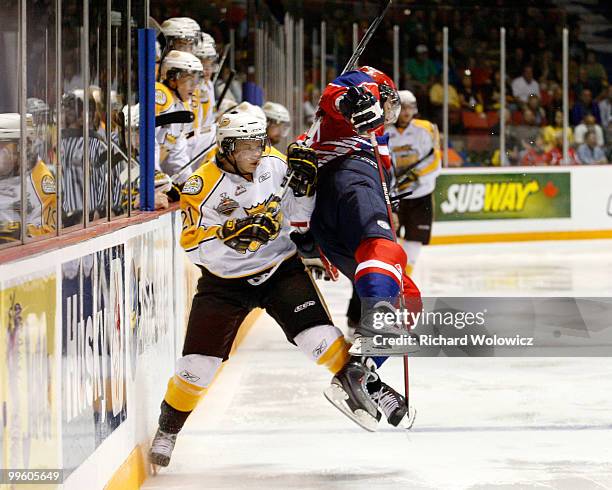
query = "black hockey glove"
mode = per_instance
[
  {"x": 240, "y": 234},
  {"x": 313, "y": 258},
  {"x": 361, "y": 109},
  {"x": 302, "y": 161}
]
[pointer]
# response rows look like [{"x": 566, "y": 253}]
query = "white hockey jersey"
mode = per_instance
[
  {"x": 171, "y": 151},
  {"x": 211, "y": 196},
  {"x": 418, "y": 142},
  {"x": 204, "y": 128}
]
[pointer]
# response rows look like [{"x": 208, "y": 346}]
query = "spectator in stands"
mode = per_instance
[
  {"x": 586, "y": 105},
  {"x": 554, "y": 131},
  {"x": 554, "y": 101},
  {"x": 436, "y": 95},
  {"x": 554, "y": 156},
  {"x": 596, "y": 73},
  {"x": 467, "y": 95},
  {"x": 533, "y": 104},
  {"x": 590, "y": 152},
  {"x": 534, "y": 153},
  {"x": 525, "y": 85},
  {"x": 605, "y": 110},
  {"x": 421, "y": 70},
  {"x": 589, "y": 124},
  {"x": 436, "y": 101}
]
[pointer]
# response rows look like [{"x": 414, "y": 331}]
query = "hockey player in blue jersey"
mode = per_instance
[{"x": 350, "y": 221}]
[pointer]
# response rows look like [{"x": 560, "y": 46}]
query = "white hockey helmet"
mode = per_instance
[
  {"x": 207, "y": 38},
  {"x": 10, "y": 125},
  {"x": 206, "y": 50},
  {"x": 181, "y": 28},
  {"x": 36, "y": 106},
  {"x": 235, "y": 126},
  {"x": 227, "y": 104},
  {"x": 251, "y": 109},
  {"x": 180, "y": 61},
  {"x": 132, "y": 118},
  {"x": 276, "y": 113},
  {"x": 407, "y": 98}
]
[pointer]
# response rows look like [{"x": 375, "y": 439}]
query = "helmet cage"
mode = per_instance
[{"x": 228, "y": 145}]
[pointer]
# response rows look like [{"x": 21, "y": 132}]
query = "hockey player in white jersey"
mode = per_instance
[
  {"x": 237, "y": 232},
  {"x": 415, "y": 148},
  {"x": 41, "y": 198},
  {"x": 202, "y": 142},
  {"x": 181, "y": 34},
  {"x": 279, "y": 121},
  {"x": 180, "y": 72}
]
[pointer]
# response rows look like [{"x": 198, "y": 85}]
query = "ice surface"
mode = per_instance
[{"x": 484, "y": 423}]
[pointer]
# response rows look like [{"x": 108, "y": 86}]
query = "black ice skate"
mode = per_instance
[
  {"x": 349, "y": 394},
  {"x": 393, "y": 406},
  {"x": 161, "y": 448}
]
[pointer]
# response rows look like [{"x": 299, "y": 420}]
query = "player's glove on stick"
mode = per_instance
[
  {"x": 302, "y": 161},
  {"x": 361, "y": 109},
  {"x": 239, "y": 234}
]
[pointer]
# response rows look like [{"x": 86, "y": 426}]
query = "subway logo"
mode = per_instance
[{"x": 503, "y": 196}]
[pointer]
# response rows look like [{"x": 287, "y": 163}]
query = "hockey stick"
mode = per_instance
[
  {"x": 221, "y": 63},
  {"x": 383, "y": 184},
  {"x": 191, "y": 162},
  {"x": 351, "y": 63},
  {"x": 229, "y": 80},
  {"x": 177, "y": 117}
]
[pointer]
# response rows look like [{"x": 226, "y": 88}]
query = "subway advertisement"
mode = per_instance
[{"x": 490, "y": 196}]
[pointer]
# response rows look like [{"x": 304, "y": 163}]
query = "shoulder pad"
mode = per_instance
[
  {"x": 273, "y": 152},
  {"x": 163, "y": 98},
  {"x": 203, "y": 181}
]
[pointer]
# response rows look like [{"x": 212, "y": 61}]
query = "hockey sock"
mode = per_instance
[
  {"x": 380, "y": 263},
  {"x": 194, "y": 372},
  {"x": 182, "y": 395},
  {"x": 325, "y": 345},
  {"x": 171, "y": 420}
]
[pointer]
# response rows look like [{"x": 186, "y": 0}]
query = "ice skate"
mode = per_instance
[
  {"x": 161, "y": 449},
  {"x": 393, "y": 406},
  {"x": 349, "y": 394},
  {"x": 380, "y": 334}
]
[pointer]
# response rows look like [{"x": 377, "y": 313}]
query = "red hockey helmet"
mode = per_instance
[{"x": 389, "y": 97}]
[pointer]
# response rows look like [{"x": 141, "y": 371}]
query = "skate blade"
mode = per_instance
[
  {"x": 337, "y": 397},
  {"x": 408, "y": 421}
]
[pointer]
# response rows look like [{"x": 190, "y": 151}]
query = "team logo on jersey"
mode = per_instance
[
  {"x": 227, "y": 205},
  {"x": 258, "y": 208},
  {"x": 193, "y": 185},
  {"x": 160, "y": 97},
  {"x": 264, "y": 177},
  {"x": 383, "y": 224},
  {"x": 240, "y": 190},
  {"x": 48, "y": 184}
]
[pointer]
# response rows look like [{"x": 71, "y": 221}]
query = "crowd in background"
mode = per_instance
[{"x": 533, "y": 85}]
